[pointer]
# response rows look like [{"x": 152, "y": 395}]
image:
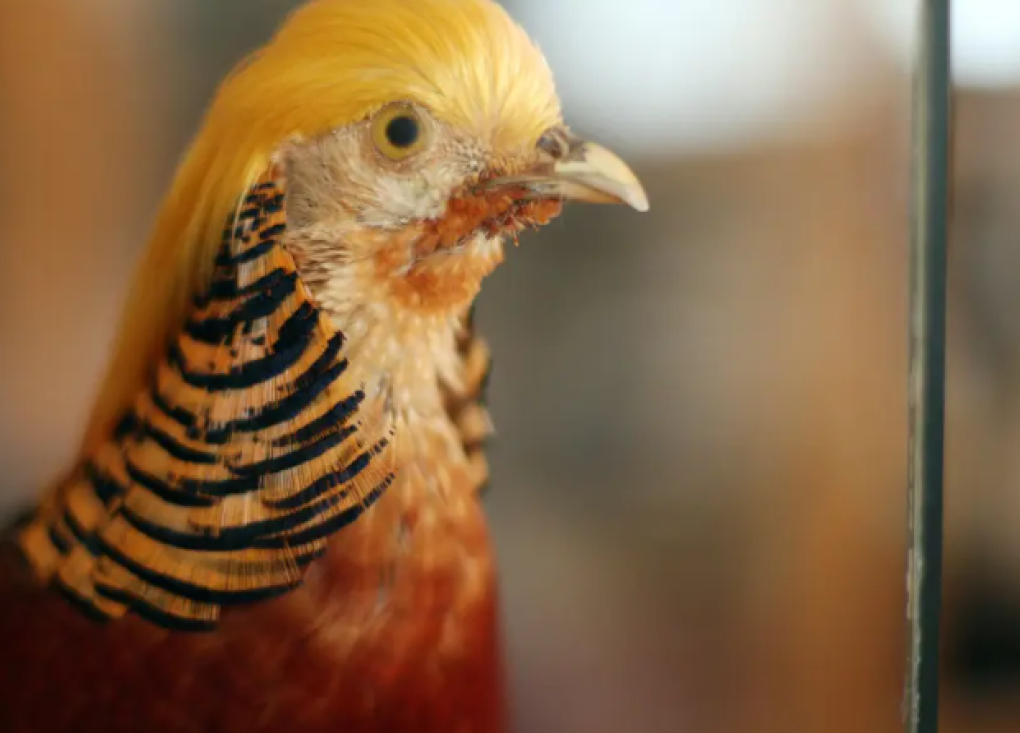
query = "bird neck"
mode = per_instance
[
  {"x": 410, "y": 343},
  {"x": 426, "y": 370}
]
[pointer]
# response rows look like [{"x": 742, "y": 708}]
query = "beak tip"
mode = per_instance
[{"x": 638, "y": 200}]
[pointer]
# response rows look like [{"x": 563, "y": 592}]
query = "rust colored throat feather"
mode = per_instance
[
  {"x": 250, "y": 449},
  {"x": 505, "y": 212}
]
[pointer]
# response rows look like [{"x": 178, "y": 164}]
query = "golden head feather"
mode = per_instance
[{"x": 333, "y": 63}]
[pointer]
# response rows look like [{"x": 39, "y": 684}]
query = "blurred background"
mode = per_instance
[{"x": 700, "y": 471}]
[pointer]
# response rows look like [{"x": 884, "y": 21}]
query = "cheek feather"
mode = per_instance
[
  {"x": 439, "y": 264},
  {"x": 494, "y": 215}
]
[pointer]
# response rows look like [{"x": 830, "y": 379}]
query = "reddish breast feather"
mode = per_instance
[{"x": 267, "y": 668}]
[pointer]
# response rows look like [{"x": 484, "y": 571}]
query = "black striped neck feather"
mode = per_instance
[{"x": 270, "y": 427}]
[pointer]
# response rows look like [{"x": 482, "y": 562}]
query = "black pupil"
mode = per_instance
[{"x": 402, "y": 132}]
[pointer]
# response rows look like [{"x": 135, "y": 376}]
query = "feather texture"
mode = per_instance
[{"x": 249, "y": 450}]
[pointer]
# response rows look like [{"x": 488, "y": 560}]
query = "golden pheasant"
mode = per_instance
[{"x": 273, "y": 521}]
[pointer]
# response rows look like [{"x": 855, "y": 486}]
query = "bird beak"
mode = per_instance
[{"x": 585, "y": 172}]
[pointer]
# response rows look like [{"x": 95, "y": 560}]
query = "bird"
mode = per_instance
[{"x": 274, "y": 519}]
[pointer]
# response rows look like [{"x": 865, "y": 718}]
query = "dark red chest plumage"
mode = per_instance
[{"x": 269, "y": 667}]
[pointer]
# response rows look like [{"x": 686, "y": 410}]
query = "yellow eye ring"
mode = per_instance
[{"x": 399, "y": 131}]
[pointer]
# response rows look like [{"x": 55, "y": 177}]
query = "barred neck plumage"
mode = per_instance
[{"x": 264, "y": 433}]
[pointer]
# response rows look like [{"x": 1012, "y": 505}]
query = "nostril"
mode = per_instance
[{"x": 554, "y": 143}]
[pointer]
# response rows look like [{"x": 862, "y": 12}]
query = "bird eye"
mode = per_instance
[{"x": 398, "y": 131}]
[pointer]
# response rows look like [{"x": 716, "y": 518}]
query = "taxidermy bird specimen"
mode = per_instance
[{"x": 273, "y": 521}]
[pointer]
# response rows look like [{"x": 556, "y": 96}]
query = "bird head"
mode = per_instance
[
  {"x": 412, "y": 138},
  {"x": 423, "y": 134}
]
